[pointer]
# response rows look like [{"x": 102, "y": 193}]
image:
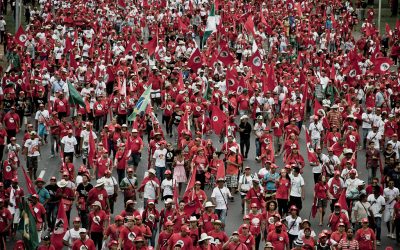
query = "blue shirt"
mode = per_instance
[
  {"x": 270, "y": 180},
  {"x": 43, "y": 194}
]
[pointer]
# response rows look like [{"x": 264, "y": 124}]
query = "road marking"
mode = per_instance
[{"x": 42, "y": 174}]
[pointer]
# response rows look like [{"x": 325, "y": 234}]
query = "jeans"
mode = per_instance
[
  {"x": 51, "y": 212},
  {"x": 152, "y": 240},
  {"x": 397, "y": 225},
  {"x": 54, "y": 139},
  {"x": 364, "y": 136},
  {"x": 221, "y": 214},
  {"x": 160, "y": 173},
  {"x": 97, "y": 238},
  {"x": 378, "y": 221},
  {"x": 258, "y": 147},
  {"x": 371, "y": 173},
  {"x": 245, "y": 143}
]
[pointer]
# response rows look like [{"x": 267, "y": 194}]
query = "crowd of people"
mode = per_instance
[{"x": 104, "y": 85}]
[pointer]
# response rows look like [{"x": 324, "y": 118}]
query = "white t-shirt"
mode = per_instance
[
  {"x": 315, "y": 130},
  {"x": 221, "y": 197},
  {"x": 297, "y": 183},
  {"x": 69, "y": 143},
  {"x": 150, "y": 190},
  {"x": 375, "y": 137},
  {"x": 376, "y": 204},
  {"x": 42, "y": 116},
  {"x": 368, "y": 119},
  {"x": 293, "y": 225},
  {"x": 109, "y": 184},
  {"x": 390, "y": 196},
  {"x": 167, "y": 186},
  {"x": 159, "y": 156},
  {"x": 246, "y": 182},
  {"x": 33, "y": 147},
  {"x": 71, "y": 236},
  {"x": 85, "y": 138}
]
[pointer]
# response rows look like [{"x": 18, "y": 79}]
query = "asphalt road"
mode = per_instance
[{"x": 50, "y": 166}]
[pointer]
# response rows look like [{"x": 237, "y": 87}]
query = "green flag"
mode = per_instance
[
  {"x": 28, "y": 227},
  {"x": 211, "y": 27},
  {"x": 74, "y": 96},
  {"x": 207, "y": 93},
  {"x": 141, "y": 104}
]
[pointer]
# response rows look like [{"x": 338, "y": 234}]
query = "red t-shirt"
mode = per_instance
[
  {"x": 97, "y": 220},
  {"x": 39, "y": 212},
  {"x": 3, "y": 134},
  {"x": 163, "y": 240},
  {"x": 248, "y": 240},
  {"x": 8, "y": 171},
  {"x": 321, "y": 190},
  {"x": 219, "y": 237},
  {"x": 207, "y": 221},
  {"x": 255, "y": 223},
  {"x": 88, "y": 243},
  {"x": 187, "y": 241},
  {"x": 282, "y": 191},
  {"x": 279, "y": 241},
  {"x": 365, "y": 238},
  {"x": 51, "y": 247},
  {"x": 397, "y": 209},
  {"x": 233, "y": 246},
  {"x": 113, "y": 231},
  {"x": 11, "y": 120},
  {"x": 5, "y": 218},
  {"x": 136, "y": 144},
  {"x": 127, "y": 236},
  {"x": 98, "y": 195}
]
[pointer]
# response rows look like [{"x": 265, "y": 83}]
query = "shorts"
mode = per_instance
[
  {"x": 17, "y": 216},
  {"x": 134, "y": 159},
  {"x": 32, "y": 162},
  {"x": 42, "y": 130},
  {"x": 387, "y": 214},
  {"x": 85, "y": 152},
  {"x": 232, "y": 181},
  {"x": 322, "y": 203}
]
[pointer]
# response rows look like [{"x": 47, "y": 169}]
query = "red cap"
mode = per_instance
[
  {"x": 14, "y": 179},
  {"x": 185, "y": 228},
  {"x": 118, "y": 217},
  {"x": 138, "y": 217},
  {"x": 77, "y": 219},
  {"x": 365, "y": 220},
  {"x": 246, "y": 217},
  {"x": 245, "y": 226},
  {"x": 293, "y": 207},
  {"x": 278, "y": 224},
  {"x": 169, "y": 223},
  {"x": 168, "y": 171},
  {"x": 254, "y": 205},
  {"x": 129, "y": 170}
]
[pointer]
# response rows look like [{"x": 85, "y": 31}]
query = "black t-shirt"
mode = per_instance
[
  {"x": 52, "y": 191},
  {"x": 247, "y": 130},
  {"x": 83, "y": 190},
  {"x": 169, "y": 157}
]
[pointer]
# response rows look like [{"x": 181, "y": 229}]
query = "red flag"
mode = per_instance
[
  {"x": 72, "y": 61},
  {"x": 389, "y": 32},
  {"x": 192, "y": 205},
  {"x": 92, "y": 148},
  {"x": 342, "y": 200},
  {"x": 249, "y": 25},
  {"x": 121, "y": 4},
  {"x": 183, "y": 124},
  {"x": 218, "y": 120},
  {"x": 29, "y": 184},
  {"x": 255, "y": 62},
  {"x": 181, "y": 25},
  {"x": 176, "y": 194},
  {"x": 312, "y": 157},
  {"x": 191, "y": 183},
  {"x": 332, "y": 75},
  {"x": 271, "y": 80},
  {"x": 225, "y": 56},
  {"x": 353, "y": 69},
  {"x": 382, "y": 65},
  {"x": 151, "y": 46},
  {"x": 132, "y": 46},
  {"x": 68, "y": 45},
  {"x": 195, "y": 61},
  {"x": 60, "y": 227},
  {"x": 314, "y": 208},
  {"x": 20, "y": 36},
  {"x": 231, "y": 79},
  {"x": 317, "y": 106}
]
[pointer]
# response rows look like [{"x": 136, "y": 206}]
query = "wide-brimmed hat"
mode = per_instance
[{"x": 62, "y": 183}]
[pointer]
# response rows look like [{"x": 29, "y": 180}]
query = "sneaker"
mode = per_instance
[
  {"x": 51, "y": 156},
  {"x": 378, "y": 243},
  {"x": 393, "y": 236}
]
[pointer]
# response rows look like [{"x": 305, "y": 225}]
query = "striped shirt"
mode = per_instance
[{"x": 345, "y": 244}]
